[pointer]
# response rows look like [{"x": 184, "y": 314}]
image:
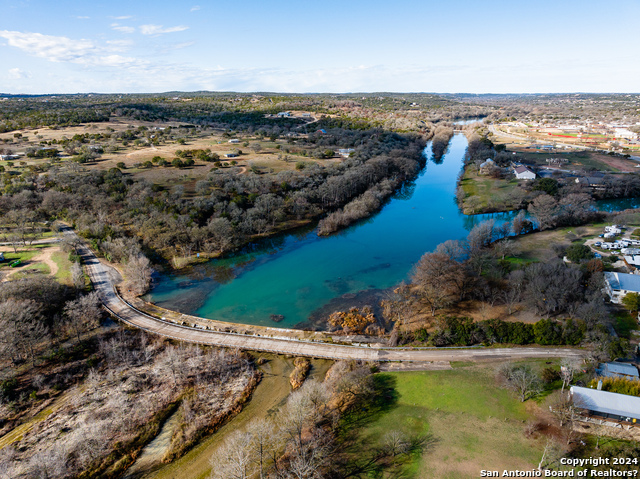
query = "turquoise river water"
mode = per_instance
[{"x": 301, "y": 275}]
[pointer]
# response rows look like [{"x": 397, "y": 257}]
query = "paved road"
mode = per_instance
[{"x": 102, "y": 277}]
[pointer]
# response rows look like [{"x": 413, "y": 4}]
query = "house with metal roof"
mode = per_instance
[
  {"x": 618, "y": 370},
  {"x": 606, "y": 405},
  {"x": 618, "y": 285},
  {"x": 524, "y": 173}
]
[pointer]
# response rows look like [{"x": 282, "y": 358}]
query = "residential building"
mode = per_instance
[
  {"x": 524, "y": 173},
  {"x": 235, "y": 140},
  {"x": 618, "y": 285},
  {"x": 618, "y": 370},
  {"x": 606, "y": 405}
]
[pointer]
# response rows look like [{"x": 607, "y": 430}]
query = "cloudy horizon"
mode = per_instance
[{"x": 299, "y": 47}]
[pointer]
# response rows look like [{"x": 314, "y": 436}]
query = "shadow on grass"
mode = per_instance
[
  {"x": 382, "y": 398},
  {"x": 389, "y": 455}
]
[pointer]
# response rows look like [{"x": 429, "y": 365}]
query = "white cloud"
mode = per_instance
[
  {"x": 64, "y": 49},
  {"x": 17, "y": 74},
  {"x": 178, "y": 46},
  {"x": 119, "y": 45},
  {"x": 122, "y": 28},
  {"x": 159, "y": 29},
  {"x": 122, "y": 17},
  {"x": 195, "y": 8},
  {"x": 82, "y": 17}
]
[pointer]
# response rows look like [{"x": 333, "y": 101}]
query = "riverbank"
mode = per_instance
[
  {"x": 295, "y": 274},
  {"x": 267, "y": 398}
]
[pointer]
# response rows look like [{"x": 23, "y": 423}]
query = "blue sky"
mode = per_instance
[{"x": 319, "y": 46}]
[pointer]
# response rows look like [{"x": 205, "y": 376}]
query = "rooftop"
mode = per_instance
[
  {"x": 623, "y": 281},
  {"x": 618, "y": 369},
  {"x": 522, "y": 169},
  {"x": 606, "y": 402}
]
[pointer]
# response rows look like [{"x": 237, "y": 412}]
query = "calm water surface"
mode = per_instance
[{"x": 296, "y": 274}]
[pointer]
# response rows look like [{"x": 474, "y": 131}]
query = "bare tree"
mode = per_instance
[
  {"x": 521, "y": 379},
  {"x": 83, "y": 314},
  {"x": 23, "y": 328},
  {"x": 551, "y": 455},
  {"x": 264, "y": 442},
  {"x": 137, "y": 273},
  {"x": 437, "y": 278},
  {"x": 455, "y": 249},
  {"x": 233, "y": 459},
  {"x": 568, "y": 367},
  {"x": 77, "y": 276},
  {"x": 504, "y": 248},
  {"x": 482, "y": 235},
  {"x": 545, "y": 210}
]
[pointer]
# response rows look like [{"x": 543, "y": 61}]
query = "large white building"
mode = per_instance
[
  {"x": 606, "y": 405},
  {"x": 618, "y": 285}
]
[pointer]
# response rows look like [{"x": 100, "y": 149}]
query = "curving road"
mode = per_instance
[{"x": 102, "y": 277}]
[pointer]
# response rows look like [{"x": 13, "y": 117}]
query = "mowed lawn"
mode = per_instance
[{"x": 472, "y": 424}]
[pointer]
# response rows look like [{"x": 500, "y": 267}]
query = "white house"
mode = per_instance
[
  {"x": 618, "y": 285},
  {"x": 284, "y": 114},
  {"x": 235, "y": 140},
  {"x": 524, "y": 173},
  {"x": 612, "y": 229}
]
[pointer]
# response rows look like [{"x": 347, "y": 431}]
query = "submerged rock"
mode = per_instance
[{"x": 276, "y": 318}]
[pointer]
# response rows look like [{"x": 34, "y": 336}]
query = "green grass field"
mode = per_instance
[
  {"x": 37, "y": 268},
  {"x": 63, "y": 275},
  {"x": 23, "y": 256},
  {"x": 484, "y": 194},
  {"x": 472, "y": 424}
]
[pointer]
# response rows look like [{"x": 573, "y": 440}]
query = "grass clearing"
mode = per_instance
[
  {"x": 63, "y": 275},
  {"x": 23, "y": 256},
  {"x": 36, "y": 268},
  {"x": 474, "y": 424},
  {"x": 485, "y": 194},
  {"x": 538, "y": 246}
]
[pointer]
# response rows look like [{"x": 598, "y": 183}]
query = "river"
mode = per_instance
[
  {"x": 300, "y": 275},
  {"x": 297, "y": 274}
]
